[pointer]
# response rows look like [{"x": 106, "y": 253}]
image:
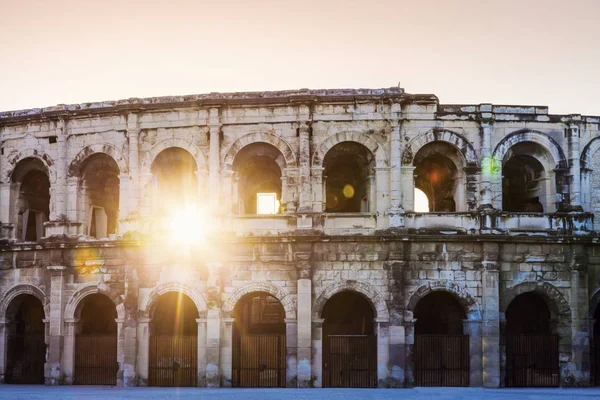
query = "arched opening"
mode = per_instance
[
  {"x": 349, "y": 176},
  {"x": 32, "y": 193},
  {"x": 99, "y": 195},
  {"x": 531, "y": 349},
  {"x": 349, "y": 342},
  {"x": 174, "y": 341},
  {"x": 257, "y": 180},
  {"x": 526, "y": 183},
  {"x": 259, "y": 346},
  {"x": 441, "y": 347},
  {"x": 96, "y": 342},
  {"x": 25, "y": 341},
  {"x": 438, "y": 175},
  {"x": 175, "y": 182}
]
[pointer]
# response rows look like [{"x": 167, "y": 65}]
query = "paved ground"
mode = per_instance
[{"x": 15, "y": 392}]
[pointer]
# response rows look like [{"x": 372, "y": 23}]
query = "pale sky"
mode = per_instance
[{"x": 541, "y": 52}]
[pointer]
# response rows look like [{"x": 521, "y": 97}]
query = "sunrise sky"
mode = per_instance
[{"x": 542, "y": 52}]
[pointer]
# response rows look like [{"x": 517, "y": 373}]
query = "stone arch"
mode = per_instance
[
  {"x": 81, "y": 294},
  {"x": 109, "y": 150},
  {"x": 594, "y": 303},
  {"x": 440, "y": 135},
  {"x": 26, "y": 289},
  {"x": 372, "y": 295},
  {"x": 26, "y": 153},
  {"x": 279, "y": 293},
  {"x": 187, "y": 145},
  {"x": 149, "y": 302},
  {"x": 558, "y": 304},
  {"x": 266, "y": 137},
  {"x": 465, "y": 299},
  {"x": 374, "y": 147},
  {"x": 526, "y": 135},
  {"x": 588, "y": 152}
]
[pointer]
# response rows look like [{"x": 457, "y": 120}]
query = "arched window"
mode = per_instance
[
  {"x": 349, "y": 178},
  {"x": 257, "y": 179},
  {"x": 176, "y": 184},
  {"x": 439, "y": 174},
  {"x": 99, "y": 190},
  {"x": 32, "y": 192},
  {"x": 526, "y": 184}
]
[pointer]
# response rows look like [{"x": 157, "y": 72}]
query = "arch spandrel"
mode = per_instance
[
  {"x": 260, "y": 137},
  {"x": 373, "y": 296},
  {"x": 149, "y": 302},
  {"x": 440, "y": 135},
  {"x": 370, "y": 143},
  {"x": 79, "y": 296},
  {"x": 286, "y": 300},
  {"x": 465, "y": 299},
  {"x": 109, "y": 150}
]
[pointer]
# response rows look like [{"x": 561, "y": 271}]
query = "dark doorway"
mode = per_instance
[
  {"x": 441, "y": 349},
  {"x": 596, "y": 347},
  {"x": 259, "y": 347},
  {"x": 531, "y": 348},
  {"x": 349, "y": 343},
  {"x": 174, "y": 342},
  {"x": 96, "y": 342},
  {"x": 26, "y": 349}
]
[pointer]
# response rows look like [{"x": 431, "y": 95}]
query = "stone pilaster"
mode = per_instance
[
  {"x": 53, "y": 370},
  {"x": 304, "y": 311},
  {"x": 68, "y": 358},
  {"x": 291, "y": 353},
  {"x": 3, "y": 349},
  {"x": 226, "y": 352},
  {"x": 409, "y": 343},
  {"x": 201, "y": 379},
  {"x": 214, "y": 163},
  {"x": 408, "y": 187},
  {"x": 383, "y": 351},
  {"x": 317, "y": 352},
  {"x": 487, "y": 164},
  {"x": 304, "y": 197},
  {"x": 490, "y": 327},
  {"x": 395, "y": 210},
  {"x": 574, "y": 155},
  {"x": 472, "y": 327},
  {"x": 580, "y": 315},
  {"x": 143, "y": 354}
]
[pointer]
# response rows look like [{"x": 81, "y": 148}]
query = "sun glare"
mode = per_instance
[
  {"x": 421, "y": 201},
  {"x": 267, "y": 203},
  {"x": 188, "y": 225}
]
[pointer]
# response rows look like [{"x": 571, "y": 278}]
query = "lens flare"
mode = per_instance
[{"x": 348, "y": 191}]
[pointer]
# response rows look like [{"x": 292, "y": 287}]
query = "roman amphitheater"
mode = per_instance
[{"x": 307, "y": 238}]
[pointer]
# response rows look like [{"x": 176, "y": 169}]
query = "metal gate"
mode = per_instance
[
  {"x": 173, "y": 361},
  {"x": 96, "y": 360},
  {"x": 442, "y": 360},
  {"x": 26, "y": 355},
  {"x": 532, "y": 361},
  {"x": 350, "y": 361},
  {"x": 259, "y": 361}
]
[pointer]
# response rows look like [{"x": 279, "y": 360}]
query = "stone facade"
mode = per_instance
[{"x": 103, "y": 230}]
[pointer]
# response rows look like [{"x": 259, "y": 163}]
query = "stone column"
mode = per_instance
[
  {"x": 397, "y": 359},
  {"x": 318, "y": 193},
  {"x": 53, "y": 371},
  {"x": 120, "y": 352},
  {"x": 317, "y": 352},
  {"x": 213, "y": 351},
  {"x": 472, "y": 327},
  {"x": 409, "y": 329},
  {"x": 574, "y": 164},
  {"x": 68, "y": 360},
  {"x": 59, "y": 200},
  {"x": 395, "y": 210},
  {"x": 3, "y": 349},
  {"x": 133, "y": 134},
  {"x": 304, "y": 171},
  {"x": 304, "y": 307},
  {"x": 214, "y": 156},
  {"x": 490, "y": 329},
  {"x": 74, "y": 211},
  {"x": 226, "y": 352},
  {"x": 380, "y": 202},
  {"x": 291, "y": 353},
  {"x": 408, "y": 187},
  {"x": 143, "y": 353},
  {"x": 580, "y": 315},
  {"x": 383, "y": 352},
  {"x": 201, "y": 379},
  {"x": 487, "y": 165}
]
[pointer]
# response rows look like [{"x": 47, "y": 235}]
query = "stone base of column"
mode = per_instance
[
  {"x": 396, "y": 217},
  {"x": 52, "y": 374},
  {"x": 61, "y": 228}
]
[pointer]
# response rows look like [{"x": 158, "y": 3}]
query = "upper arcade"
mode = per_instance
[{"x": 333, "y": 162}]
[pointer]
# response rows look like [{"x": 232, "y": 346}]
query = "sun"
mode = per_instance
[{"x": 189, "y": 225}]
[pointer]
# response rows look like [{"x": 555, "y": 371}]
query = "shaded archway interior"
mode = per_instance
[
  {"x": 524, "y": 179},
  {"x": 175, "y": 314},
  {"x": 259, "y": 342},
  {"x": 596, "y": 347},
  {"x": 26, "y": 348},
  {"x": 439, "y": 313},
  {"x": 257, "y": 171},
  {"x": 176, "y": 185},
  {"x": 349, "y": 341},
  {"x": 528, "y": 314},
  {"x": 349, "y": 176},
  {"x": 99, "y": 187},
  {"x": 33, "y": 199},
  {"x": 436, "y": 174}
]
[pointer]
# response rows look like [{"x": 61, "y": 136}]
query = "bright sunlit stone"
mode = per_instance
[
  {"x": 421, "y": 201},
  {"x": 188, "y": 225},
  {"x": 267, "y": 203}
]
